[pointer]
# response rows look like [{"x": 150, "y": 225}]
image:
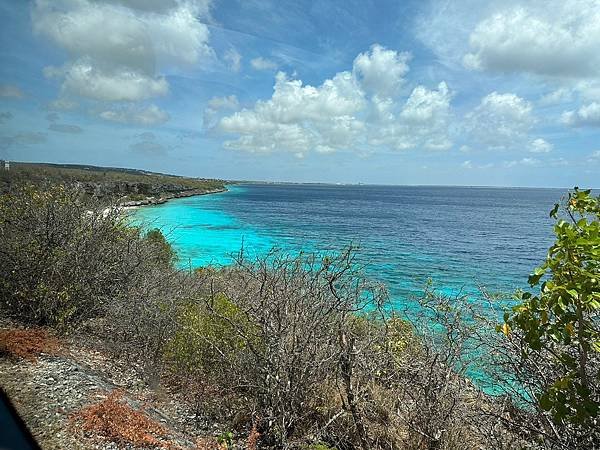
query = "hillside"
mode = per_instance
[{"x": 127, "y": 186}]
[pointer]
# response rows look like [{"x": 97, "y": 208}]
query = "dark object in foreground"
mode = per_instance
[{"x": 15, "y": 434}]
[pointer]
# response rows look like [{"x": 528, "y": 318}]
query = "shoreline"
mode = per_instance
[{"x": 151, "y": 201}]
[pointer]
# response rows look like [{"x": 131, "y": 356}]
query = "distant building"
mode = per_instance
[{"x": 6, "y": 165}]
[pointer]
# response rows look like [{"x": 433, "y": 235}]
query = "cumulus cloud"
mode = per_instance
[
  {"x": 422, "y": 121},
  {"x": 261, "y": 63},
  {"x": 84, "y": 79},
  {"x": 353, "y": 110},
  {"x": 540, "y": 146},
  {"x": 65, "y": 128},
  {"x": 5, "y": 115},
  {"x": 214, "y": 106},
  {"x": 10, "y": 91},
  {"x": 587, "y": 115},
  {"x": 500, "y": 120},
  {"x": 299, "y": 117},
  {"x": 553, "y": 38},
  {"x": 118, "y": 48},
  {"x": 381, "y": 71},
  {"x": 146, "y": 116}
]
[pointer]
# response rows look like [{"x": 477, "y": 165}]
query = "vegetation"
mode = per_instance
[
  {"x": 103, "y": 182},
  {"x": 64, "y": 257},
  {"x": 304, "y": 351},
  {"x": 113, "y": 419},
  {"x": 555, "y": 333},
  {"x": 27, "y": 343}
]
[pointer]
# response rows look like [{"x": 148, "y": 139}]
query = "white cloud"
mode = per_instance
[
  {"x": 468, "y": 164},
  {"x": 229, "y": 102},
  {"x": 589, "y": 90},
  {"x": 594, "y": 157},
  {"x": 587, "y": 115},
  {"x": 528, "y": 162},
  {"x": 117, "y": 49},
  {"x": 423, "y": 121},
  {"x": 214, "y": 106},
  {"x": 540, "y": 146},
  {"x": 556, "y": 97},
  {"x": 261, "y": 63},
  {"x": 381, "y": 71},
  {"x": 84, "y": 79},
  {"x": 351, "y": 111},
  {"x": 500, "y": 120},
  {"x": 299, "y": 117},
  {"x": 10, "y": 91},
  {"x": 552, "y": 38},
  {"x": 234, "y": 59},
  {"x": 555, "y": 41},
  {"x": 146, "y": 116}
]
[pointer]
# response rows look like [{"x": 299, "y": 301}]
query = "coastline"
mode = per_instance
[{"x": 150, "y": 201}]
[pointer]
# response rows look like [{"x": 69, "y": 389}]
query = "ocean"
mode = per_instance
[{"x": 461, "y": 238}]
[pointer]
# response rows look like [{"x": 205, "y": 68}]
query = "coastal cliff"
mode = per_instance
[{"x": 127, "y": 187}]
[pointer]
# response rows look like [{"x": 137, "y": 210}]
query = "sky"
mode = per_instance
[{"x": 463, "y": 92}]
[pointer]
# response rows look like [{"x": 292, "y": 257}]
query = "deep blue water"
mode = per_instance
[{"x": 460, "y": 237}]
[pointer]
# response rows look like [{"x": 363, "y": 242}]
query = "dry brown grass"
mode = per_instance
[
  {"x": 27, "y": 343},
  {"x": 208, "y": 444},
  {"x": 253, "y": 437},
  {"x": 114, "y": 420}
]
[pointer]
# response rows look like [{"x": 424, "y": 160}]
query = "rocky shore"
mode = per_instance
[{"x": 163, "y": 198}]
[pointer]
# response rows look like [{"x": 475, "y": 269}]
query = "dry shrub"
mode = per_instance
[
  {"x": 253, "y": 437},
  {"x": 27, "y": 343},
  {"x": 113, "y": 419},
  {"x": 207, "y": 444}
]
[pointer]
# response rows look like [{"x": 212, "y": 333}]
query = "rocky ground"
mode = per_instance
[
  {"x": 163, "y": 198},
  {"x": 49, "y": 390}
]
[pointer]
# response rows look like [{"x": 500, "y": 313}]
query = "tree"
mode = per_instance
[{"x": 562, "y": 320}]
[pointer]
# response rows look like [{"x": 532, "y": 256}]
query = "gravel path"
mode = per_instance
[{"x": 47, "y": 391}]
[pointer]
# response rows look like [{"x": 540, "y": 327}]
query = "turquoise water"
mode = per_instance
[{"x": 460, "y": 237}]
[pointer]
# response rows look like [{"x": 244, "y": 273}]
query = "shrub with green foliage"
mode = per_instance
[
  {"x": 207, "y": 337},
  {"x": 561, "y": 323},
  {"x": 64, "y": 257}
]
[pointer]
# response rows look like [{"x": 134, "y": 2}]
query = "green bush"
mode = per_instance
[
  {"x": 207, "y": 338},
  {"x": 562, "y": 320},
  {"x": 64, "y": 257}
]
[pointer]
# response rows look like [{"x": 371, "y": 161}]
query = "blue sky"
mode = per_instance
[{"x": 414, "y": 92}]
